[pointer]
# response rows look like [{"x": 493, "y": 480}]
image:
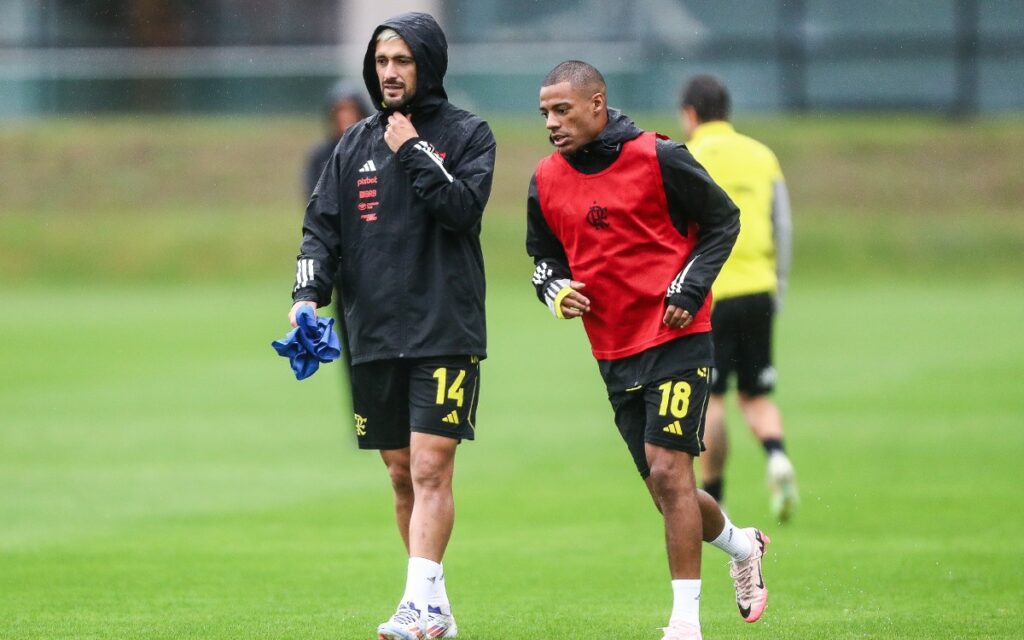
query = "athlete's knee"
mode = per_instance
[
  {"x": 665, "y": 482},
  {"x": 672, "y": 477},
  {"x": 431, "y": 470},
  {"x": 401, "y": 479},
  {"x": 758, "y": 408},
  {"x": 400, "y": 474}
]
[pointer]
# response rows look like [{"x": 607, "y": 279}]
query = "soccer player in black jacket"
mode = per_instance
[{"x": 396, "y": 215}]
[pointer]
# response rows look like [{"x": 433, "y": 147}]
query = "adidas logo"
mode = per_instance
[
  {"x": 675, "y": 429},
  {"x": 369, "y": 166},
  {"x": 451, "y": 418}
]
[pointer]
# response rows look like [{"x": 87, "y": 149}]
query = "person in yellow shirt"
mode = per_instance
[{"x": 749, "y": 290}]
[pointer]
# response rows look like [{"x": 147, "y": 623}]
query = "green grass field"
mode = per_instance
[{"x": 162, "y": 474}]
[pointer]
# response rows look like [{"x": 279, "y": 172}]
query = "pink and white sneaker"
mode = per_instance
[
  {"x": 681, "y": 631},
  {"x": 751, "y": 594}
]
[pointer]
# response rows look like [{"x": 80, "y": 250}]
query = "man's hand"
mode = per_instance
[
  {"x": 574, "y": 304},
  {"x": 677, "y": 318},
  {"x": 295, "y": 309},
  {"x": 399, "y": 131}
]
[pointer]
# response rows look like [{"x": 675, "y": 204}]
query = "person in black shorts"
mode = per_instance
[
  {"x": 627, "y": 233},
  {"x": 749, "y": 290},
  {"x": 394, "y": 223}
]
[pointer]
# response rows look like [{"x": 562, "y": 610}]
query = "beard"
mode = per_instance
[{"x": 399, "y": 102}]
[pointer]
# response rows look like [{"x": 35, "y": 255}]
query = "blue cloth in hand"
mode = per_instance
[{"x": 313, "y": 341}]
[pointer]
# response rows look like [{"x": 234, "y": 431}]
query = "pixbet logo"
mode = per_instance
[{"x": 367, "y": 198}]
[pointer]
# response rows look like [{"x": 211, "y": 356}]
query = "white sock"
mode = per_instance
[
  {"x": 440, "y": 596},
  {"x": 420, "y": 581},
  {"x": 733, "y": 541},
  {"x": 686, "y": 602}
]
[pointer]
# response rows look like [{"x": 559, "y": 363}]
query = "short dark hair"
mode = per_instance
[
  {"x": 578, "y": 74},
  {"x": 708, "y": 97}
]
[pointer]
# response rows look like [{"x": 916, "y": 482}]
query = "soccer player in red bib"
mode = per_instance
[{"x": 628, "y": 232}]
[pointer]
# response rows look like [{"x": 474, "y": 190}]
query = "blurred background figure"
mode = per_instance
[
  {"x": 346, "y": 105},
  {"x": 749, "y": 290}
]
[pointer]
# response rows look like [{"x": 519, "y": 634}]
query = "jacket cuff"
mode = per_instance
[
  {"x": 309, "y": 295},
  {"x": 407, "y": 145},
  {"x": 687, "y": 301}
]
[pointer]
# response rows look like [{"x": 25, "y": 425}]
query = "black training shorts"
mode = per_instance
[
  {"x": 742, "y": 329},
  {"x": 668, "y": 413},
  {"x": 435, "y": 395}
]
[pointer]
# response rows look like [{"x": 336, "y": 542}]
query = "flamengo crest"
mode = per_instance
[{"x": 597, "y": 217}]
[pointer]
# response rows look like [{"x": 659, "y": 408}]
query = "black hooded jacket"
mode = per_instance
[{"x": 401, "y": 231}]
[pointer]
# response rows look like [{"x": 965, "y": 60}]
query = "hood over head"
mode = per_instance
[{"x": 430, "y": 49}]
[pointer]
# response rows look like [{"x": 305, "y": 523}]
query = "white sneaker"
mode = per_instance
[
  {"x": 406, "y": 624},
  {"x": 681, "y": 631},
  {"x": 440, "y": 624},
  {"x": 782, "y": 483}
]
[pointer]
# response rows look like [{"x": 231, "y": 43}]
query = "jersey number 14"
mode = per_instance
[{"x": 455, "y": 392}]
